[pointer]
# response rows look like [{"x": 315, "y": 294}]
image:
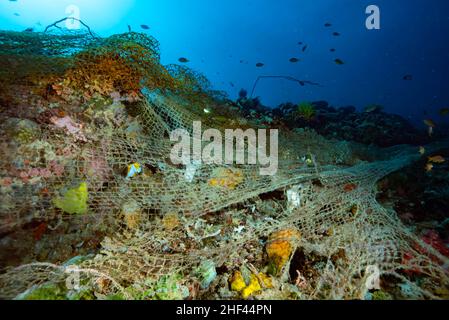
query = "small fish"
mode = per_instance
[
  {"x": 205, "y": 110},
  {"x": 429, "y": 123},
  {"x": 133, "y": 170},
  {"x": 17, "y": 14},
  {"x": 428, "y": 167},
  {"x": 300, "y": 43},
  {"x": 144, "y": 27},
  {"x": 183, "y": 60},
  {"x": 231, "y": 84},
  {"x": 294, "y": 60},
  {"x": 336, "y": 34},
  {"x": 339, "y": 61},
  {"x": 407, "y": 77},
  {"x": 29, "y": 30},
  {"x": 327, "y": 24},
  {"x": 373, "y": 108},
  {"x": 129, "y": 28},
  {"x": 422, "y": 150},
  {"x": 444, "y": 111},
  {"x": 436, "y": 159},
  {"x": 332, "y": 50},
  {"x": 259, "y": 65},
  {"x": 304, "y": 48}
]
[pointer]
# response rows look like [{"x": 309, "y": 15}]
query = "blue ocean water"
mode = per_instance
[{"x": 226, "y": 39}]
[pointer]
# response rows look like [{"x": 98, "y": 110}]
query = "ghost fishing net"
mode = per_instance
[{"x": 78, "y": 112}]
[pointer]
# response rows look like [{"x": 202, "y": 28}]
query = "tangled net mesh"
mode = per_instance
[{"x": 159, "y": 223}]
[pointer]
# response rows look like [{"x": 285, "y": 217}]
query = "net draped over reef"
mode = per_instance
[{"x": 77, "y": 111}]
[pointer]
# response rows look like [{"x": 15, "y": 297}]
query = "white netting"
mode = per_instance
[{"x": 159, "y": 223}]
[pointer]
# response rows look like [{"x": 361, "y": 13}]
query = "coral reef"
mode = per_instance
[{"x": 104, "y": 107}]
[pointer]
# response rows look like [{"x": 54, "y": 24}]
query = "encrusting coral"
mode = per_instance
[{"x": 279, "y": 249}]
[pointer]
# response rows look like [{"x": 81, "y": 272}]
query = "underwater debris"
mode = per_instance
[
  {"x": 74, "y": 200},
  {"x": 294, "y": 197}
]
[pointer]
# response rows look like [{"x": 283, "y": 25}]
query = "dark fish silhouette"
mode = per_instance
[
  {"x": 332, "y": 50},
  {"x": 294, "y": 60},
  {"x": 339, "y": 61},
  {"x": 304, "y": 82},
  {"x": 336, "y": 34},
  {"x": 129, "y": 28},
  {"x": 231, "y": 84},
  {"x": 183, "y": 60},
  {"x": 243, "y": 93},
  {"x": 17, "y": 14},
  {"x": 304, "y": 48},
  {"x": 300, "y": 43},
  {"x": 259, "y": 65},
  {"x": 144, "y": 27},
  {"x": 408, "y": 77},
  {"x": 28, "y": 30},
  {"x": 327, "y": 25}
]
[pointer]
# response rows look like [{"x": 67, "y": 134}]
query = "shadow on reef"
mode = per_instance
[{"x": 421, "y": 199}]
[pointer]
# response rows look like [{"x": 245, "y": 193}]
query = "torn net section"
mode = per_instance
[{"x": 151, "y": 220}]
